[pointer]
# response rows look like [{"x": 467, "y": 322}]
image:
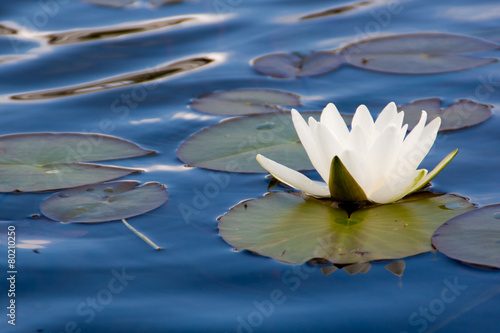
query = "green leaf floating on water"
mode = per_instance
[
  {"x": 48, "y": 161},
  {"x": 293, "y": 229},
  {"x": 424, "y": 53},
  {"x": 291, "y": 65},
  {"x": 462, "y": 114},
  {"x": 240, "y": 102},
  {"x": 104, "y": 202},
  {"x": 233, "y": 144},
  {"x": 473, "y": 237}
]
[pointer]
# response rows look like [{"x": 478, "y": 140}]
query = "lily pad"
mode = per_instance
[
  {"x": 232, "y": 145},
  {"x": 48, "y": 161},
  {"x": 240, "y": 102},
  {"x": 291, "y": 65},
  {"x": 294, "y": 229},
  {"x": 462, "y": 114},
  {"x": 104, "y": 202},
  {"x": 425, "y": 53},
  {"x": 473, "y": 237}
]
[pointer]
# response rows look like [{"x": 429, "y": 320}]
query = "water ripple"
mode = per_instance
[
  {"x": 158, "y": 72},
  {"x": 79, "y": 36}
]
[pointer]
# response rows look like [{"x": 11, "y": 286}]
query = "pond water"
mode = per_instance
[{"x": 57, "y": 59}]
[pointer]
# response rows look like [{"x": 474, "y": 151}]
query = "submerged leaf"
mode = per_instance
[
  {"x": 424, "y": 53},
  {"x": 240, "y": 102},
  {"x": 360, "y": 267},
  {"x": 396, "y": 267},
  {"x": 293, "y": 229},
  {"x": 473, "y": 237},
  {"x": 104, "y": 202}
]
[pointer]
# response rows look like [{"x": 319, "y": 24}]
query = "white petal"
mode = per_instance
[
  {"x": 310, "y": 145},
  {"x": 330, "y": 145},
  {"x": 402, "y": 132},
  {"x": 413, "y": 137},
  {"x": 293, "y": 178},
  {"x": 404, "y": 165},
  {"x": 398, "y": 119},
  {"x": 386, "y": 116},
  {"x": 424, "y": 143},
  {"x": 332, "y": 119},
  {"x": 321, "y": 148},
  {"x": 383, "y": 155},
  {"x": 397, "y": 187},
  {"x": 359, "y": 140},
  {"x": 363, "y": 119}
]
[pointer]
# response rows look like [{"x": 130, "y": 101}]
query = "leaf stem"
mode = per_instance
[{"x": 142, "y": 236}]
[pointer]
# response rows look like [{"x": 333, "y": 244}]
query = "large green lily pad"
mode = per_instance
[
  {"x": 48, "y": 161},
  {"x": 473, "y": 237},
  {"x": 424, "y": 53},
  {"x": 462, "y": 114},
  {"x": 240, "y": 102},
  {"x": 104, "y": 202},
  {"x": 294, "y": 229},
  {"x": 233, "y": 144}
]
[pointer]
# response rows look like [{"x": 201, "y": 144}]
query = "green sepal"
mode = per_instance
[
  {"x": 343, "y": 187},
  {"x": 444, "y": 162}
]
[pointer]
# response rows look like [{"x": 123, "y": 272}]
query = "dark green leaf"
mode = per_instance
[
  {"x": 233, "y": 145},
  {"x": 240, "y": 102},
  {"x": 473, "y": 237},
  {"x": 462, "y": 114},
  {"x": 104, "y": 202},
  {"x": 425, "y": 53},
  {"x": 47, "y": 161},
  {"x": 290, "y": 65}
]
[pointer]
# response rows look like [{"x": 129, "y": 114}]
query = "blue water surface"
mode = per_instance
[{"x": 102, "y": 278}]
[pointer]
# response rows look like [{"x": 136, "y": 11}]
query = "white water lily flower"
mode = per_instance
[{"x": 375, "y": 161}]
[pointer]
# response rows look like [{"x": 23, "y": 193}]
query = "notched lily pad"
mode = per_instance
[
  {"x": 234, "y": 144},
  {"x": 473, "y": 237},
  {"x": 104, "y": 202},
  {"x": 48, "y": 161},
  {"x": 240, "y": 102},
  {"x": 462, "y": 114},
  {"x": 425, "y": 53},
  {"x": 294, "y": 229},
  {"x": 291, "y": 65}
]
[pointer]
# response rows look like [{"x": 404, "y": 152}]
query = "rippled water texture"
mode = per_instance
[{"x": 131, "y": 71}]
